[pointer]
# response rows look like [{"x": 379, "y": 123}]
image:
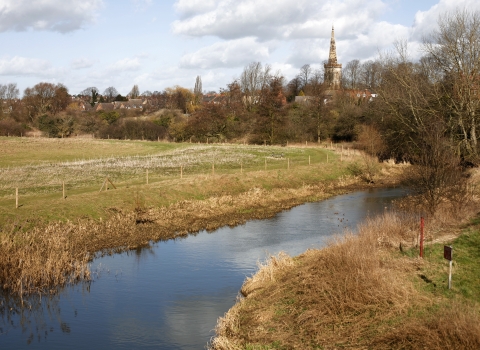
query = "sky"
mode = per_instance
[{"x": 159, "y": 44}]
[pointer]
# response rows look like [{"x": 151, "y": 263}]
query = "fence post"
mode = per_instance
[
  {"x": 181, "y": 171},
  {"x": 288, "y": 163},
  {"x": 265, "y": 163},
  {"x": 147, "y": 176},
  {"x": 63, "y": 188},
  {"x": 16, "y": 198},
  {"x": 213, "y": 168},
  {"x": 309, "y": 162},
  {"x": 422, "y": 225}
]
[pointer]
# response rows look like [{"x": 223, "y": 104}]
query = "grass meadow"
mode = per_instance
[{"x": 40, "y": 167}]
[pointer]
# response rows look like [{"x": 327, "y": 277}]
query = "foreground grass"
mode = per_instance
[
  {"x": 48, "y": 241},
  {"x": 363, "y": 292}
]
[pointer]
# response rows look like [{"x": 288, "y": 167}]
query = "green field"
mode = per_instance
[{"x": 39, "y": 167}]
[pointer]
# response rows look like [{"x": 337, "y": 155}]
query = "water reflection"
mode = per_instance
[{"x": 170, "y": 295}]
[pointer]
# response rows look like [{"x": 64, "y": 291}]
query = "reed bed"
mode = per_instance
[
  {"x": 359, "y": 292},
  {"x": 41, "y": 258}
]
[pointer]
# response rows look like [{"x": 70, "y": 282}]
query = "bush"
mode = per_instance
[
  {"x": 9, "y": 127},
  {"x": 133, "y": 130}
]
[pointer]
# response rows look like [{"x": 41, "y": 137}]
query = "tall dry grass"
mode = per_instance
[
  {"x": 355, "y": 293},
  {"x": 50, "y": 255},
  {"x": 40, "y": 260}
]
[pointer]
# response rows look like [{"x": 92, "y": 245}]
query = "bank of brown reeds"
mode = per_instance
[
  {"x": 357, "y": 293},
  {"x": 50, "y": 255}
]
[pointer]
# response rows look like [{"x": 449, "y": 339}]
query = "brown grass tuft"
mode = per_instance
[{"x": 348, "y": 294}]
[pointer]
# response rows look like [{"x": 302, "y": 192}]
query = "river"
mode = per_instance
[{"x": 169, "y": 296}]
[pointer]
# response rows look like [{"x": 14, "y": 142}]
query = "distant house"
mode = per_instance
[
  {"x": 361, "y": 95},
  {"x": 214, "y": 98},
  {"x": 107, "y": 107},
  {"x": 137, "y": 104},
  {"x": 303, "y": 99}
]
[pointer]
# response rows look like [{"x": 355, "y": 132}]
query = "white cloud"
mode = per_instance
[
  {"x": 265, "y": 20},
  {"x": 427, "y": 21},
  {"x": 127, "y": 64},
  {"x": 22, "y": 66},
  {"x": 52, "y": 15},
  {"x": 228, "y": 54},
  {"x": 82, "y": 63}
]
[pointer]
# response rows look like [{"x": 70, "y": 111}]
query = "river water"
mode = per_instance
[{"x": 170, "y": 296}]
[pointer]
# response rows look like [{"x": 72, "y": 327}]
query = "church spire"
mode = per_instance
[
  {"x": 333, "y": 69},
  {"x": 332, "y": 58}
]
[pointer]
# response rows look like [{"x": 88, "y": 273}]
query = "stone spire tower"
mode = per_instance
[{"x": 333, "y": 70}]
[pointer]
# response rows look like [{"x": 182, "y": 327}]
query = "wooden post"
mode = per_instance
[
  {"x": 309, "y": 161},
  {"x": 450, "y": 275},
  {"x": 213, "y": 168},
  {"x": 63, "y": 188},
  {"x": 265, "y": 163},
  {"x": 422, "y": 225},
  {"x": 147, "y": 176},
  {"x": 181, "y": 171},
  {"x": 16, "y": 198},
  {"x": 448, "y": 254},
  {"x": 306, "y": 143},
  {"x": 327, "y": 157},
  {"x": 158, "y": 138},
  {"x": 288, "y": 163}
]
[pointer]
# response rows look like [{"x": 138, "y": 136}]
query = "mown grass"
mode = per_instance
[{"x": 366, "y": 291}]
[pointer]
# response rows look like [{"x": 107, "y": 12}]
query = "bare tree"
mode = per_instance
[
  {"x": 253, "y": 80},
  {"x": 304, "y": 76},
  {"x": 316, "y": 82},
  {"x": 369, "y": 74},
  {"x": 135, "y": 92},
  {"x": 110, "y": 93},
  {"x": 197, "y": 90},
  {"x": 351, "y": 74},
  {"x": 91, "y": 93},
  {"x": 8, "y": 94},
  {"x": 454, "y": 57}
]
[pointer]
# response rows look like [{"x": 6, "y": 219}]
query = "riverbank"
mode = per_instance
[
  {"x": 367, "y": 290},
  {"x": 48, "y": 242}
]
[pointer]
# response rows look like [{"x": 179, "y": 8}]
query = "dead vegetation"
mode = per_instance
[
  {"x": 359, "y": 293},
  {"x": 51, "y": 255}
]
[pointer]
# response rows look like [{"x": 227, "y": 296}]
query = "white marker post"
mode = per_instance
[{"x": 448, "y": 254}]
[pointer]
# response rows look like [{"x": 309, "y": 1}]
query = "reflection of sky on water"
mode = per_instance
[{"x": 171, "y": 295}]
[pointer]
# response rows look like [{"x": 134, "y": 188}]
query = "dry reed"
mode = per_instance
[
  {"x": 346, "y": 295},
  {"x": 51, "y": 255}
]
